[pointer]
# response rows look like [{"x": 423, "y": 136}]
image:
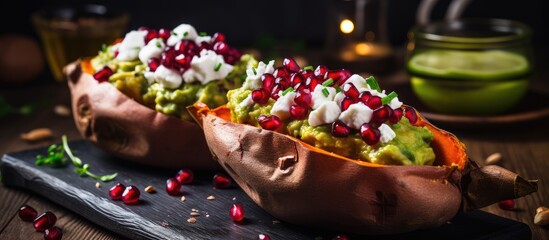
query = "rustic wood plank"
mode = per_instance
[{"x": 11, "y": 200}]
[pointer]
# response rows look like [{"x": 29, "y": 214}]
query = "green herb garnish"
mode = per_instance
[
  {"x": 371, "y": 81},
  {"x": 217, "y": 67},
  {"x": 338, "y": 90},
  {"x": 202, "y": 34},
  {"x": 185, "y": 34},
  {"x": 104, "y": 48},
  {"x": 255, "y": 72},
  {"x": 387, "y": 99},
  {"x": 325, "y": 92},
  {"x": 83, "y": 169},
  {"x": 308, "y": 68},
  {"x": 158, "y": 44},
  {"x": 328, "y": 82},
  {"x": 290, "y": 89},
  {"x": 55, "y": 158},
  {"x": 174, "y": 33}
]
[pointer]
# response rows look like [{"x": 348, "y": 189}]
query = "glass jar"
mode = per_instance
[{"x": 470, "y": 67}]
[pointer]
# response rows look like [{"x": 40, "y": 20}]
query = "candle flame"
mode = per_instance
[{"x": 346, "y": 26}]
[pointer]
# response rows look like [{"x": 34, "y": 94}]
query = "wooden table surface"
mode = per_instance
[{"x": 525, "y": 150}]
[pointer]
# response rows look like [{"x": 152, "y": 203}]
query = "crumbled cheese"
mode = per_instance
[
  {"x": 183, "y": 31},
  {"x": 387, "y": 134},
  {"x": 356, "y": 115},
  {"x": 339, "y": 98},
  {"x": 395, "y": 103},
  {"x": 281, "y": 107},
  {"x": 327, "y": 112},
  {"x": 253, "y": 80},
  {"x": 204, "y": 68},
  {"x": 129, "y": 48},
  {"x": 169, "y": 78},
  {"x": 248, "y": 101},
  {"x": 149, "y": 76},
  {"x": 154, "y": 48},
  {"x": 359, "y": 82},
  {"x": 318, "y": 97},
  {"x": 201, "y": 39}
]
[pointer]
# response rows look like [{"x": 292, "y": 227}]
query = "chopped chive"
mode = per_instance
[
  {"x": 104, "y": 48},
  {"x": 387, "y": 99},
  {"x": 202, "y": 34},
  {"x": 328, "y": 82},
  {"x": 290, "y": 89},
  {"x": 308, "y": 68},
  {"x": 325, "y": 92},
  {"x": 174, "y": 33},
  {"x": 158, "y": 45},
  {"x": 253, "y": 69},
  {"x": 371, "y": 81},
  {"x": 217, "y": 66},
  {"x": 338, "y": 90},
  {"x": 185, "y": 34}
]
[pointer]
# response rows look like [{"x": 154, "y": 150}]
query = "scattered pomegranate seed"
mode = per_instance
[
  {"x": 369, "y": 134},
  {"x": 339, "y": 129},
  {"x": 151, "y": 34},
  {"x": 508, "y": 204},
  {"x": 346, "y": 103},
  {"x": 296, "y": 78},
  {"x": 341, "y": 237},
  {"x": 410, "y": 113},
  {"x": 269, "y": 122},
  {"x": 351, "y": 91},
  {"x": 374, "y": 102},
  {"x": 397, "y": 115},
  {"x": 321, "y": 71},
  {"x": 280, "y": 72},
  {"x": 339, "y": 76},
  {"x": 290, "y": 64},
  {"x": 221, "y": 48},
  {"x": 303, "y": 97},
  {"x": 218, "y": 37},
  {"x": 263, "y": 236},
  {"x": 221, "y": 181},
  {"x": 298, "y": 112},
  {"x": 44, "y": 221},
  {"x": 164, "y": 33},
  {"x": 237, "y": 212},
  {"x": 116, "y": 191},
  {"x": 53, "y": 233},
  {"x": 153, "y": 64},
  {"x": 185, "y": 176},
  {"x": 173, "y": 187},
  {"x": 131, "y": 195},
  {"x": 103, "y": 74},
  {"x": 381, "y": 115},
  {"x": 260, "y": 96},
  {"x": 268, "y": 81},
  {"x": 27, "y": 213}
]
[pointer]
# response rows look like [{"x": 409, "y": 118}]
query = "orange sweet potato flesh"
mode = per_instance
[
  {"x": 125, "y": 128},
  {"x": 300, "y": 184}
]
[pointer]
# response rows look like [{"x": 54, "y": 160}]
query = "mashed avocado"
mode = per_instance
[
  {"x": 411, "y": 146},
  {"x": 129, "y": 78}
]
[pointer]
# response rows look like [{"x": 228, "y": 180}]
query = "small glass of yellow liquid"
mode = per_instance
[{"x": 72, "y": 32}]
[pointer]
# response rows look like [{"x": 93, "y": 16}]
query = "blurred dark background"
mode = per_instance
[{"x": 302, "y": 24}]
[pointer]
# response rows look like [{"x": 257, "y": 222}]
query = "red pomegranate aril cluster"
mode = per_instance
[
  {"x": 173, "y": 187},
  {"x": 53, "y": 233},
  {"x": 44, "y": 221},
  {"x": 269, "y": 122},
  {"x": 128, "y": 195},
  {"x": 410, "y": 113},
  {"x": 381, "y": 115},
  {"x": 27, "y": 213},
  {"x": 298, "y": 112},
  {"x": 237, "y": 212},
  {"x": 115, "y": 193},
  {"x": 261, "y": 96},
  {"x": 103, "y": 74},
  {"x": 370, "y": 134},
  {"x": 221, "y": 181},
  {"x": 153, "y": 64},
  {"x": 396, "y": 116},
  {"x": 303, "y": 97}
]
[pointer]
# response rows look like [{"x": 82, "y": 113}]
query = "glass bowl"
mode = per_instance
[{"x": 470, "y": 67}]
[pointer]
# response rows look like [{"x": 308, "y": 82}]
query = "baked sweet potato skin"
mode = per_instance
[{"x": 129, "y": 130}]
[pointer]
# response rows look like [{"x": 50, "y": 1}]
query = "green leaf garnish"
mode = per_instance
[
  {"x": 217, "y": 67},
  {"x": 185, "y": 34},
  {"x": 371, "y": 81},
  {"x": 174, "y": 33},
  {"x": 290, "y": 89},
  {"x": 338, "y": 90},
  {"x": 308, "y": 68},
  {"x": 325, "y": 92},
  {"x": 255, "y": 72},
  {"x": 328, "y": 82},
  {"x": 83, "y": 169},
  {"x": 55, "y": 158},
  {"x": 202, "y": 34},
  {"x": 387, "y": 99},
  {"x": 104, "y": 48},
  {"x": 158, "y": 44}
]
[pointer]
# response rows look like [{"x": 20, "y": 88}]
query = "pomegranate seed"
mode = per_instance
[
  {"x": 263, "y": 236},
  {"x": 168, "y": 59},
  {"x": 116, "y": 53},
  {"x": 116, "y": 191},
  {"x": 131, "y": 195},
  {"x": 307, "y": 73},
  {"x": 291, "y": 64},
  {"x": 321, "y": 71},
  {"x": 103, "y": 74},
  {"x": 339, "y": 129},
  {"x": 185, "y": 176},
  {"x": 312, "y": 82},
  {"x": 268, "y": 81},
  {"x": 53, "y": 233},
  {"x": 339, "y": 76},
  {"x": 283, "y": 82},
  {"x": 381, "y": 115},
  {"x": 298, "y": 112},
  {"x": 280, "y": 72},
  {"x": 181, "y": 47},
  {"x": 369, "y": 134},
  {"x": 173, "y": 187},
  {"x": 153, "y": 64},
  {"x": 260, "y": 96},
  {"x": 270, "y": 123},
  {"x": 204, "y": 45},
  {"x": 181, "y": 59},
  {"x": 221, "y": 181},
  {"x": 296, "y": 78},
  {"x": 27, "y": 213},
  {"x": 508, "y": 204},
  {"x": 164, "y": 33},
  {"x": 151, "y": 34},
  {"x": 346, "y": 103},
  {"x": 218, "y": 37},
  {"x": 235, "y": 53},
  {"x": 410, "y": 113},
  {"x": 303, "y": 97},
  {"x": 275, "y": 92},
  {"x": 364, "y": 96},
  {"x": 237, "y": 212},
  {"x": 221, "y": 48},
  {"x": 397, "y": 115},
  {"x": 351, "y": 91},
  {"x": 373, "y": 102},
  {"x": 301, "y": 86},
  {"x": 44, "y": 221},
  {"x": 341, "y": 237}
]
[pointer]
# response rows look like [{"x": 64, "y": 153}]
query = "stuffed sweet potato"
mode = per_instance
[
  {"x": 372, "y": 166},
  {"x": 131, "y": 98}
]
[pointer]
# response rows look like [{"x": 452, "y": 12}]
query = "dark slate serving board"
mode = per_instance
[{"x": 160, "y": 216}]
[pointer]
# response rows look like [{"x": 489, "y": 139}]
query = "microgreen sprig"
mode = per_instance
[{"x": 83, "y": 169}]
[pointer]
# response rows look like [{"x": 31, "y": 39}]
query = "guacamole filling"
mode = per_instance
[
  {"x": 205, "y": 77},
  {"x": 403, "y": 144}
]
